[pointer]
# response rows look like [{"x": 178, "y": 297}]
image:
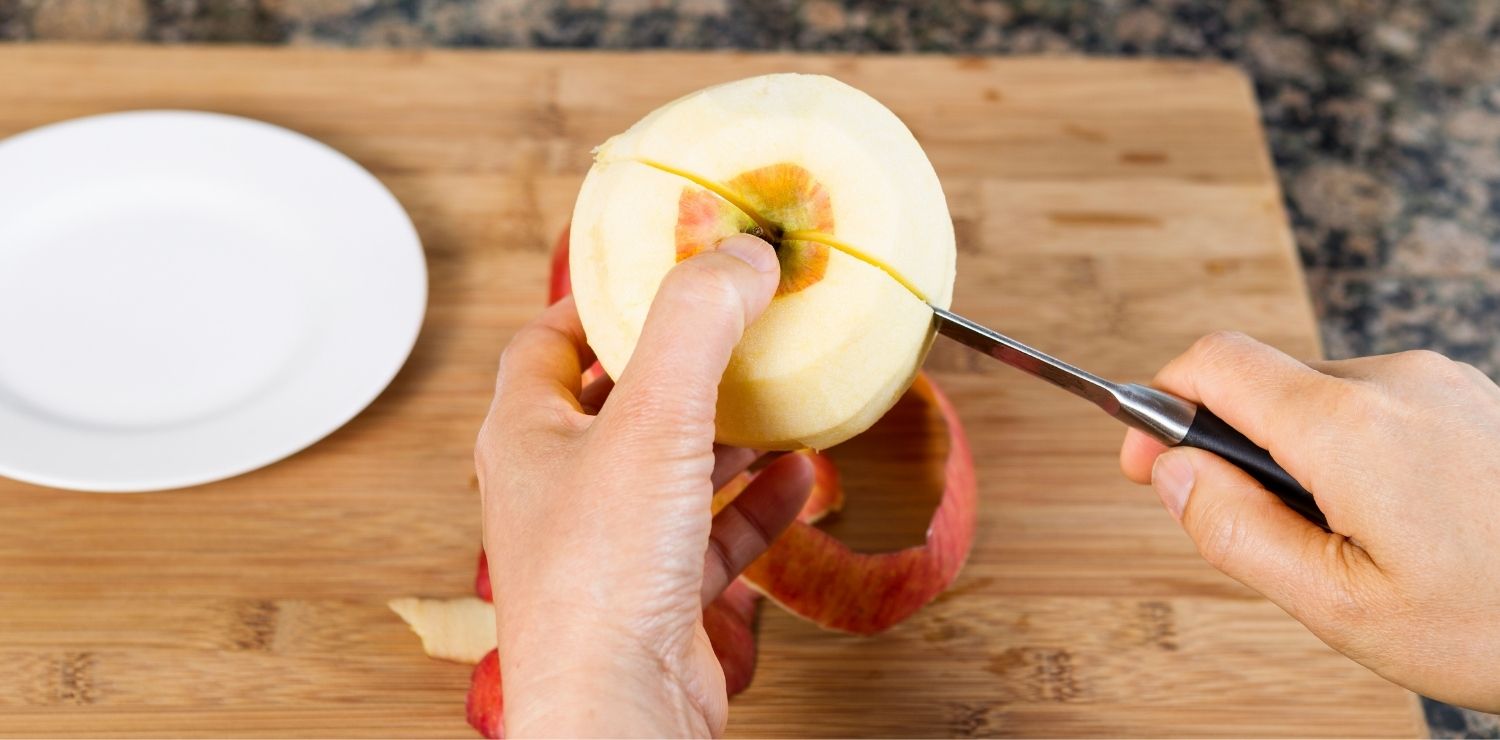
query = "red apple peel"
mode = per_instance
[
  {"x": 485, "y": 703},
  {"x": 815, "y": 576}
]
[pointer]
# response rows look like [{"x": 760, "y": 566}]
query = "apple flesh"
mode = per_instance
[
  {"x": 460, "y": 630},
  {"x": 843, "y": 191}
]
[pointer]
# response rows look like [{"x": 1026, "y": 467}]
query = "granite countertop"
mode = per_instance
[{"x": 1383, "y": 115}]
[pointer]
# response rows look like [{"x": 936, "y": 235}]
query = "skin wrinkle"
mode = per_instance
[
  {"x": 719, "y": 550},
  {"x": 625, "y": 422},
  {"x": 1340, "y": 596}
]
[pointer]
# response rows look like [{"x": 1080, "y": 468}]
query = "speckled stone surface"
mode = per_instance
[{"x": 1383, "y": 115}]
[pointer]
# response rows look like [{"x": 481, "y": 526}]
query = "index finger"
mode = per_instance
[{"x": 543, "y": 364}]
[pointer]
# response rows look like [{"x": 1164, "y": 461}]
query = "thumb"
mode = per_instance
[
  {"x": 698, "y": 315},
  {"x": 1245, "y": 531}
]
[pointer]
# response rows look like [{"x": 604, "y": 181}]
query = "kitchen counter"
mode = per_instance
[{"x": 1383, "y": 117}]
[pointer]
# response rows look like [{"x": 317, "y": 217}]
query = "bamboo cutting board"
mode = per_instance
[{"x": 1108, "y": 211}]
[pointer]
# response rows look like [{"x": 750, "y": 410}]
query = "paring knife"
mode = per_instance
[{"x": 1170, "y": 420}]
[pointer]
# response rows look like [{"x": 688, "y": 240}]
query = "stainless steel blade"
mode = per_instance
[
  {"x": 1162, "y": 415},
  {"x": 1074, "y": 380}
]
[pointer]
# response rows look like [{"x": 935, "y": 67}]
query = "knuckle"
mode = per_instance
[
  {"x": 1471, "y": 377},
  {"x": 1221, "y": 342},
  {"x": 1351, "y": 402},
  {"x": 1469, "y": 370},
  {"x": 1229, "y": 337},
  {"x": 508, "y": 358},
  {"x": 484, "y": 461},
  {"x": 490, "y": 445},
  {"x": 1427, "y": 362},
  {"x": 1222, "y": 351},
  {"x": 1339, "y": 406}
]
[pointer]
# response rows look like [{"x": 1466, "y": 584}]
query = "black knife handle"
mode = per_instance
[{"x": 1209, "y": 432}]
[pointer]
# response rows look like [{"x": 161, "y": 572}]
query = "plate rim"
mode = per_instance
[{"x": 409, "y": 337}]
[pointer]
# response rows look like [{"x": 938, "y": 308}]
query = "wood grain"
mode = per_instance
[{"x": 1108, "y": 211}]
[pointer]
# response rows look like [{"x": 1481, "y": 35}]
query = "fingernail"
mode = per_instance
[
  {"x": 753, "y": 251},
  {"x": 1172, "y": 477}
]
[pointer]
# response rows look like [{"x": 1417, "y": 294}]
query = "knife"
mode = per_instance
[{"x": 1173, "y": 421}]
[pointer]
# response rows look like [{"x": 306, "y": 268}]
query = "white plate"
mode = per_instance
[{"x": 188, "y": 296}]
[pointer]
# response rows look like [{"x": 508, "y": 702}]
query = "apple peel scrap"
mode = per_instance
[{"x": 460, "y": 630}]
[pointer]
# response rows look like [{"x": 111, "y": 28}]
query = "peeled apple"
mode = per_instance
[{"x": 838, "y": 185}]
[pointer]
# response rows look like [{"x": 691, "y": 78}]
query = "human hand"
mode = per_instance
[
  {"x": 597, "y": 525},
  {"x": 1400, "y": 452}
]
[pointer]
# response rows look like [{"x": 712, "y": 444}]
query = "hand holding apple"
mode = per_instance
[
  {"x": 1400, "y": 451},
  {"x": 606, "y": 547},
  {"x": 598, "y": 502}
]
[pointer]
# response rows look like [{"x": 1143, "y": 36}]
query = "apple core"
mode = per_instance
[{"x": 783, "y": 197}]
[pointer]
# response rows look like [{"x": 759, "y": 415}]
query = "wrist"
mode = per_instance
[{"x": 574, "y": 676}]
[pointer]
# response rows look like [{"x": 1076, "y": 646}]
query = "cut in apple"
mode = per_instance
[{"x": 838, "y": 185}]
